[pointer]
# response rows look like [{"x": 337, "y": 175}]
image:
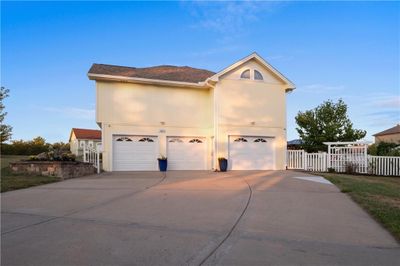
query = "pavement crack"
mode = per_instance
[{"x": 212, "y": 252}]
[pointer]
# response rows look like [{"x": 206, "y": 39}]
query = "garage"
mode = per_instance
[
  {"x": 187, "y": 153},
  {"x": 251, "y": 153},
  {"x": 135, "y": 153}
]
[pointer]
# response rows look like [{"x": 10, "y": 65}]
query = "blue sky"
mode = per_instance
[{"x": 330, "y": 50}]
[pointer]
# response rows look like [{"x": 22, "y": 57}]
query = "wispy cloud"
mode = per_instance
[
  {"x": 228, "y": 17},
  {"x": 73, "y": 112},
  {"x": 320, "y": 88}
]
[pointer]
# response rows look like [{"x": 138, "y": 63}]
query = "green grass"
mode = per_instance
[
  {"x": 6, "y": 159},
  {"x": 378, "y": 195},
  {"x": 10, "y": 181}
]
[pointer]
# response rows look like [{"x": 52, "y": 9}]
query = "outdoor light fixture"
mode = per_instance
[
  {"x": 253, "y": 123},
  {"x": 162, "y": 123}
]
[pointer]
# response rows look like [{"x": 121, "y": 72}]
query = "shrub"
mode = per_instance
[
  {"x": 351, "y": 168},
  {"x": 331, "y": 170}
]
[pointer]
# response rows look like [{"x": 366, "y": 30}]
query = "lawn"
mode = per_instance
[
  {"x": 6, "y": 159},
  {"x": 11, "y": 181},
  {"x": 378, "y": 195}
]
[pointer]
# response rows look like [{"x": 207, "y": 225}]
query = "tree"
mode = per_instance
[
  {"x": 327, "y": 122},
  {"x": 5, "y": 130}
]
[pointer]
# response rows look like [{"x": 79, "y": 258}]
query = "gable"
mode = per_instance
[{"x": 252, "y": 65}]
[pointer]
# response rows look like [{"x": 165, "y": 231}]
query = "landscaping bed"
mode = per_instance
[{"x": 378, "y": 195}]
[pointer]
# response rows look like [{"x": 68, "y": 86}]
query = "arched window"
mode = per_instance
[
  {"x": 146, "y": 140},
  {"x": 245, "y": 74},
  {"x": 176, "y": 140},
  {"x": 240, "y": 140},
  {"x": 123, "y": 139},
  {"x": 258, "y": 75},
  {"x": 195, "y": 141},
  {"x": 260, "y": 140}
]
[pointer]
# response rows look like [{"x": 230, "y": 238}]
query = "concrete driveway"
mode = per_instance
[{"x": 191, "y": 218}]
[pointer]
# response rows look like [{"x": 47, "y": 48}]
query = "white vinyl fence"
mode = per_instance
[
  {"x": 92, "y": 155},
  {"x": 341, "y": 160}
]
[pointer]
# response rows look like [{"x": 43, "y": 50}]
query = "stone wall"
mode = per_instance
[{"x": 64, "y": 170}]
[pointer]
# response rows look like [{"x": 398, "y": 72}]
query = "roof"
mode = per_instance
[
  {"x": 164, "y": 72},
  {"x": 288, "y": 84},
  {"x": 81, "y": 133},
  {"x": 390, "y": 131},
  {"x": 295, "y": 142}
]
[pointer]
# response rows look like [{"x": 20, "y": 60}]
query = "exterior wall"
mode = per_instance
[
  {"x": 234, "y": 107},
  {"x": 393, "y": 138},
  {"x": 134, "y": 109},
  {"x": 74, "y": 145},
  {"x": 251, "y": 108}
]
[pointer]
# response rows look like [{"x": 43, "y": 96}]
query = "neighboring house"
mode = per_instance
[
  {"x": 80, "y": 138},
  {"x": 295, "y": 144},
  {"x": 389, "y": 135},
  {"x": 192, "y": 116}
]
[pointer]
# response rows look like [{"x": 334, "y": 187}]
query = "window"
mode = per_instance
[
  {"x": 195, "y": 141},
  {"x": 257, "y": 75},
  {"x": 245, "y": 74},
  {"x": 240, "y": 140},
  {"x": 260, "y": 140},
  {"x": 176, "y": 140},
  {"x": 123, "y": 139},
  {"x": 146, "y": 140}
]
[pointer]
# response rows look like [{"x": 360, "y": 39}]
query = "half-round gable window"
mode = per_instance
[
  {"x": 146, "y": 140},
  {"x": 245, "y": 74},
  {"x": 240, "y": 140},
  {"x": 258, "y": 75},
  {"x": 260, "y": 140},
  {"x": 195, "y": 141}
]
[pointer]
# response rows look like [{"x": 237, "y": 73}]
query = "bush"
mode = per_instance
[
  {"x": 53, "y": 156},
  {"x": 35, "y": 146},
  {"x": 331, "y": 170},
  {"x": 351, "y": 168},
  {"x": 384, "y": 149}
]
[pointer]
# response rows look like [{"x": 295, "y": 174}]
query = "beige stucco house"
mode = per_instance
[
  {"x": 391, "y": 135},
  {"x": 192, "y": 116},
  {"x": 81, "y": 138}
]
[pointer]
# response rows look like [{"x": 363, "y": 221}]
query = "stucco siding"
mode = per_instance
[{"x": 149, "y": 105}]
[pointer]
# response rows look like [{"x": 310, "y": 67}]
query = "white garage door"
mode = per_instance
[
  {"x": 186, "y": 153},
  {"x": 251, "y": 153},
  {"x": 135, "y": 153}
]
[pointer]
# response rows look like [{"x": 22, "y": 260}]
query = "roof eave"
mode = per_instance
[{"x": 199, "y": 85}]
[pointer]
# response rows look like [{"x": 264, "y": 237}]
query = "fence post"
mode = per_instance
[
  {"x": 98, "y": 158},
  {"x": 84, "y": 153}
]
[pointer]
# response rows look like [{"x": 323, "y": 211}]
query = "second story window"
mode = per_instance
[
  {"x": 258, "y": 75},
  {"x": 245, "y": 74}
]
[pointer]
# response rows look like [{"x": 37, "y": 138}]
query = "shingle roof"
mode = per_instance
[
  {"x": 393, "y": 130},
  {"x": 164, "y": 72},
  {"x": 81, "y": 133}
]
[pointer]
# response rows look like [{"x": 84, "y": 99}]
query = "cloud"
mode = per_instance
[
  {"x": 320, "y": 88},
  {"x": 73, "y": 112},
  {"x": 228, "y": 18}
]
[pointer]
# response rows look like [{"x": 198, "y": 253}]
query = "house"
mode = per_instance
[
  {"x": 389, "y": 135},
  {"x": 80, "y": 138},
  {"x": 295, "y": 144},
  {"x": 192, "y": 116}
]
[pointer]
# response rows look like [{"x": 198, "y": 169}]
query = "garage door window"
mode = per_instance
[
  {"x": 195, "y": 141},
  {"x": 146, "y": 140},
  {"x": 240, "y": 140},
  {"x": 176, "y": 140},
  {"x": 123, "y": 139},
  {"x": 260, "y": 140}
]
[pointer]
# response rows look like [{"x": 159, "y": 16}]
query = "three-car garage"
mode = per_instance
[{"x": 140, "y": 152}]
